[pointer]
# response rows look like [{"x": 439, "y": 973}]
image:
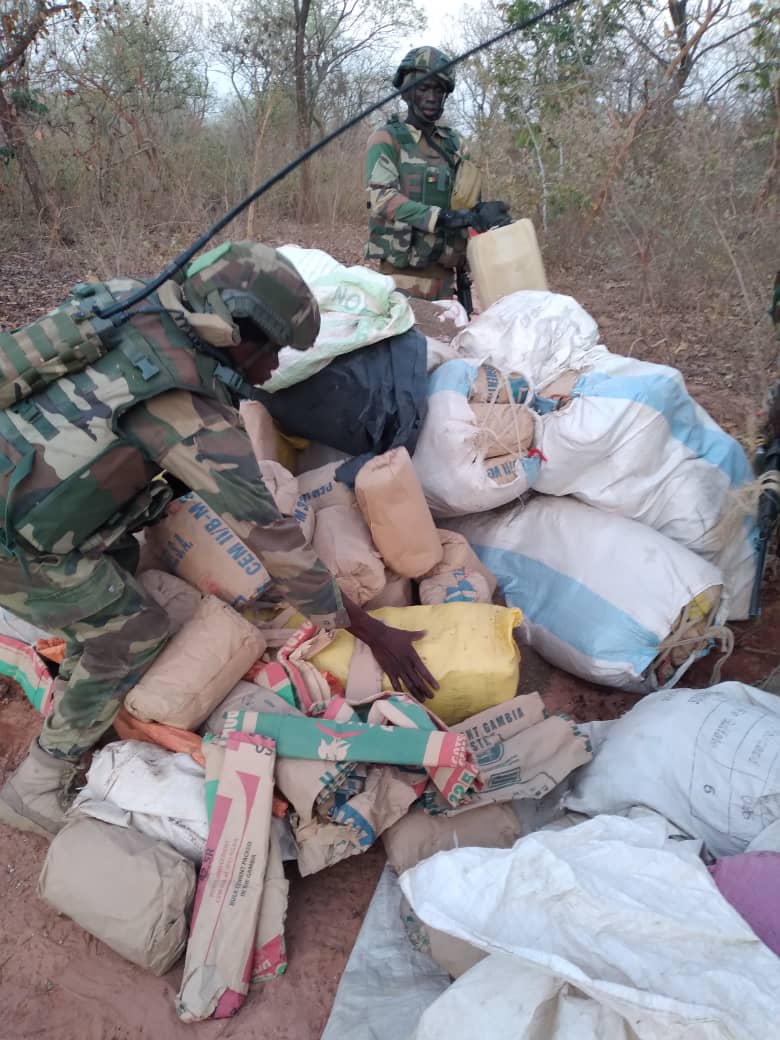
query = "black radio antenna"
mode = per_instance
[{"x": 118, "y": 311}]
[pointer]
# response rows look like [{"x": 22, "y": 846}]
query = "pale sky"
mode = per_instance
[{"x": 442, "y": 17}]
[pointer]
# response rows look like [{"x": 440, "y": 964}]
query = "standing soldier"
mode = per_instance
[
  {"x": 423, "y": 189},
  {"x": 81, "y": 448}
]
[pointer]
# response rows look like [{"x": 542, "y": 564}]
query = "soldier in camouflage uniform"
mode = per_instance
[
  {"x": 411, "y": 170},
  {"x": 79, "y": 460}
]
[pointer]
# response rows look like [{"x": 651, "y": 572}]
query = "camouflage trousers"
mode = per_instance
[
  {"x": 433, "y": 282},
  {"x": 112, "y": 628}
]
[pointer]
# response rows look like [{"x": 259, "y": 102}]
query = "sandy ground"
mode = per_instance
[{"x": 58, "y": 983}]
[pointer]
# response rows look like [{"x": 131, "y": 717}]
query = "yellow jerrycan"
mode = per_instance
[{"x": 505, "y": 260}]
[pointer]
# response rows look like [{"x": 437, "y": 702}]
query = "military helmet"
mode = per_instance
[
  {"x": 424, "y": 59},
  {"x": 250, "y": 280}
]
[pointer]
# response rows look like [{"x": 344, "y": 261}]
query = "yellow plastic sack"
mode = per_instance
[{"x": 468, "y": 647}]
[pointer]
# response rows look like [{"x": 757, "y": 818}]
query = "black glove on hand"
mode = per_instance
[
  {"x": 487, "y": 215},
  {"x": 449, "y": 219}
]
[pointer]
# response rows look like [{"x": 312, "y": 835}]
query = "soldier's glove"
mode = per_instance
[
  {"x": 488, "y": 215},
  {"x": 450, "y": 219}
]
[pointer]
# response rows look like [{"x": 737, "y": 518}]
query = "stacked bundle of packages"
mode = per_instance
[
  {"x": 253, "y": 736},
  {"x": 623, "y": 551}
]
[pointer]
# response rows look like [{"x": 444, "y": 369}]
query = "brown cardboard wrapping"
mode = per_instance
[
  {"x": 453, "y": 955},
  {"x": 393, "y": 504},
  {"x": 504, "y": 429},
  {"x": 179, "y": 600},
  {"x": 132, "y": 892},
  {"x": 261, "y": 430},
  {"x": 197, "y": 545},
  {"x": 398, "y": 592},
  {"x": 522, "y": 753},
  {"x": 342, "y": 541},
  {"x": 197, "y": 668},
  {"x": 460, "y": 566},
  {"x": 321, "y": 490},
  {"x": 491, "y": 386},
  {"x": 419, "y": 835},
  {"x": 386, "y": 798},
  {"x": 270, "y": 956}
]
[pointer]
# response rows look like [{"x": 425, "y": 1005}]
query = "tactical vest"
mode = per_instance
[
  {"x": 70, "y": 477},
  {"x": 427, "y": 177}
]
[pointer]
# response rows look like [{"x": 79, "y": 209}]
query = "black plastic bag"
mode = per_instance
[{"x": 363, "y": 403}]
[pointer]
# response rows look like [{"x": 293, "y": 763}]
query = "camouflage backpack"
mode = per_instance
[{"x": 65, "y": 340}]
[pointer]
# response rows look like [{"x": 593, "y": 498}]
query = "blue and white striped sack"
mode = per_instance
[
  {"x": 631, "y": 440},
  {"x": 455, "y": 475},
  {"x": 599, "y": 593}
]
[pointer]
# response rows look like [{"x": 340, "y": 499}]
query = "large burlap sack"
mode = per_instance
[
  {"x": 199, "y": 666},
  {"x": 197, "y": 545},
  {"x": 468, "y": 647},
  {"x": 393, "y": 504},
  {"x": 320, "y": 489},
  {"x": 460, "y": 577},
  {"x": 128, "y": 890},
  {"x": 342, "y": 541},
  {"x": 289, "y": 501},
  {"x": 179, "y": 600},
  {"x": 420, "y": 835}
]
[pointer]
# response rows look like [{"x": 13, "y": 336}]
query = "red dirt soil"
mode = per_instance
[{"x": 58, "y": 983}]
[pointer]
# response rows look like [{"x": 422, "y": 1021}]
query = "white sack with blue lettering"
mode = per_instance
[
  {"x": 455, "y": 475},
  {"x": 631, "y": 441},
  {"x": 599, "y": 593}
]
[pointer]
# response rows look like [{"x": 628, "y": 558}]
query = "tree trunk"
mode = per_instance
[
  {"x": 258, "y": 154},
  {"x": 301, "y": 8},
  {"x": 28, "y": 164}
]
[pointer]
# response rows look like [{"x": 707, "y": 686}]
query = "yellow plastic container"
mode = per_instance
[
  {"x": 505, "y": 260},
  {"x": 468, "y": 647}
]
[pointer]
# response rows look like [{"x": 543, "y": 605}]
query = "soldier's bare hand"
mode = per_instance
[{"x": 394, "y": 652}]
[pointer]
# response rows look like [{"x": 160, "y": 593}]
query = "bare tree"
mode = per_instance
[
  {"x": 325, "y": 56},
  {"x": 24, "y": 23}
]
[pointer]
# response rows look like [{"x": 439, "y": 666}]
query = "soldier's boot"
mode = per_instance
[{"x": 38, "y": 793}]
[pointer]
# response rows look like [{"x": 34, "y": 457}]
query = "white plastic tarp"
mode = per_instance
[
  {"x": 603, "y": 931},
  {"x": 358, "y": 306}
]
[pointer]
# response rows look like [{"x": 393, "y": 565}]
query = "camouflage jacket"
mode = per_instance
[
  {"x": 409, "y": 182},
  {"x": 78, "y": 460}
]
